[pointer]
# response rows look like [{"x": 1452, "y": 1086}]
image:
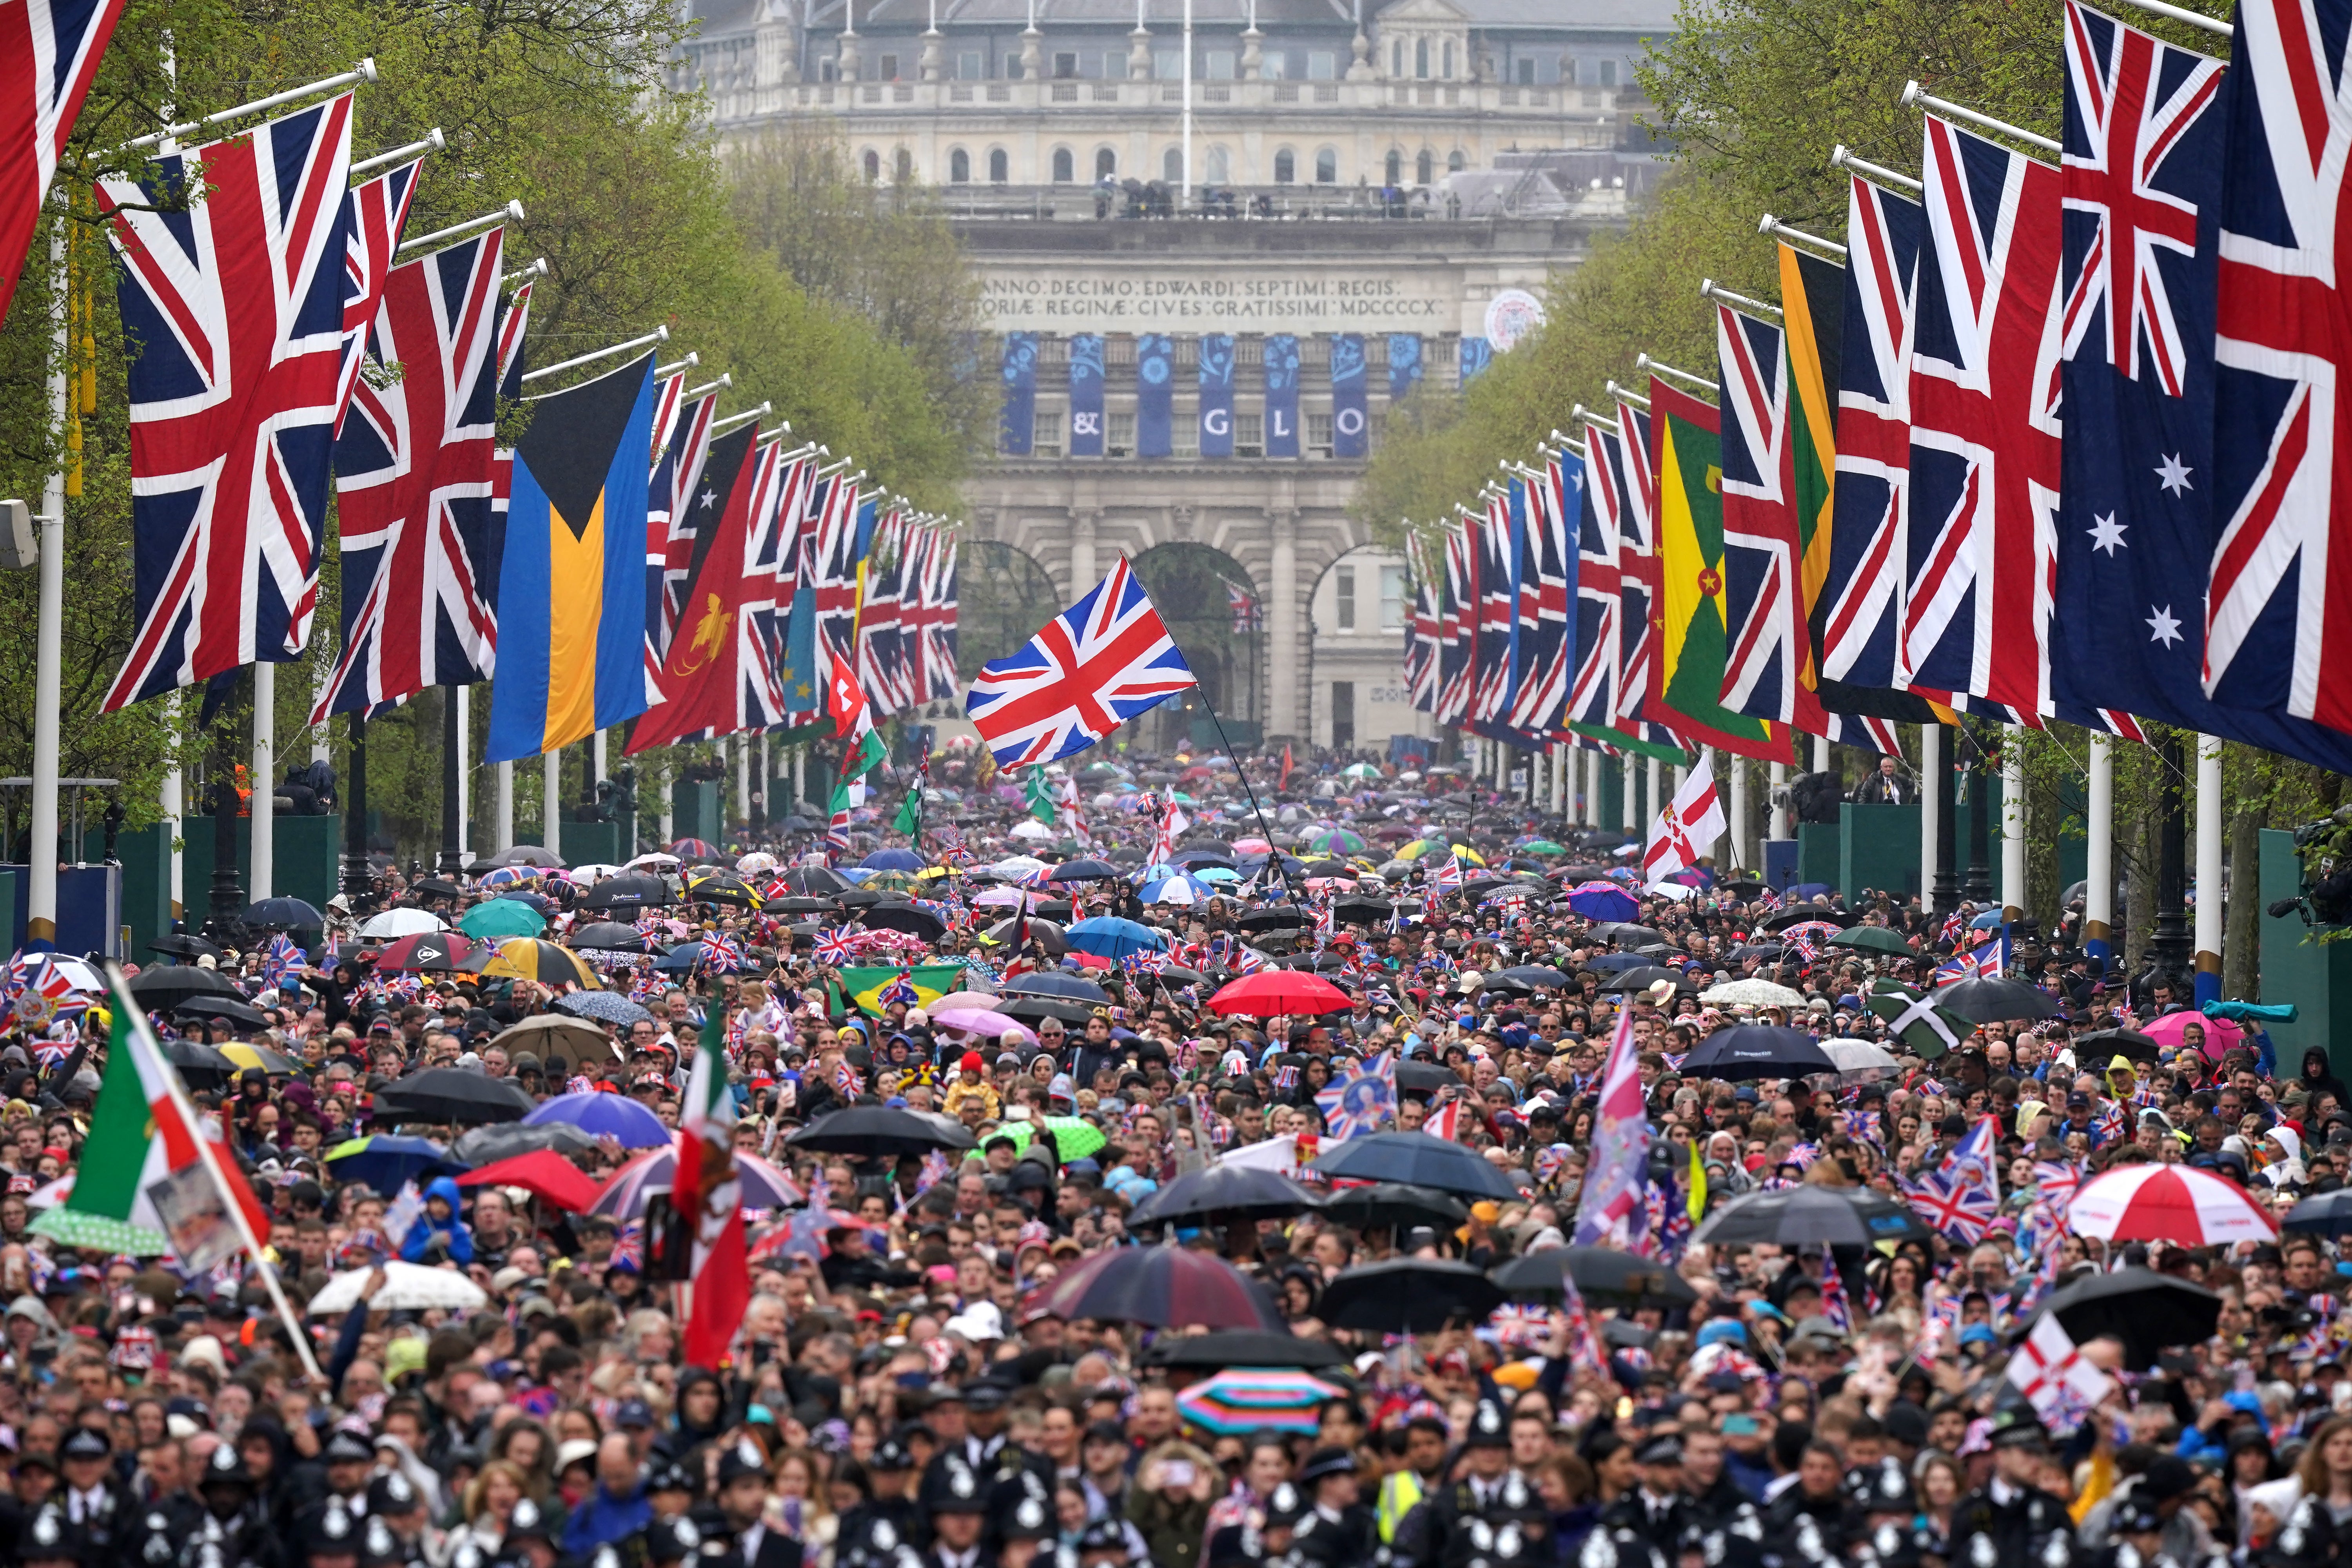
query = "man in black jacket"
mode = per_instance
[{"x": 2011, "y": 1519}]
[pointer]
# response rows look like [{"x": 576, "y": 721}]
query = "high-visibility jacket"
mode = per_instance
[{"x": 1399, "y": 1493}]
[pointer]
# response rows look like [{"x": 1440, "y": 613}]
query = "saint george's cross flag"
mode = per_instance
[
  {"x": 1088, "y": 670},
  {"x": 2056, "y": 1381},
  {"x": 2277, "y": 606},
  {"x": 237, "y": 306},
  {"x": 50, "y": 51},
  {"x": 415, "y": 470},
  {"x": 1686, "y": 827}
]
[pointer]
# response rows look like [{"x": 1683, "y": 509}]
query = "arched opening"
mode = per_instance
[
  {"x": 1000, "y": 166},
  {"x": 959, "y": 167},
  {"x": 1286, "y": 167},
  {"x": 1396, "y": 57},
  {"x": 1395, "y": 175},
  {"x": 902, "y": 167},
  {"x": 1065, "y": 169},
  {"x": 1220, "y": 166},
  {"x": 1420, "y": 57},
  {"x": 1216, "y": 612},
  {"x": 1327, "y": 166},
  {"x": 1171, "y": 165},
  {"x": 1455, "y": 163},
  {"x": 873, "y": 162},
  {"x": 1002, "y": 598},
  {"x": 1106, "y": 164},
  {"x": 1424, "y": 168}
]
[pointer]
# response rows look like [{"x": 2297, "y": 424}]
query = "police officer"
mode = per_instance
[
  {"x": 672, "y": 1490},
  {"x": 900, "y": 1521},
  {"x": 742, "y": 1494},
  {"x": 231, "y": 1519},
  {"x": 1024, "y": 1532},
  {"x": 150, "y": 1534},
  {"x": 1882, "y": 1528},
  {"x": 50, "y": 1540},
  {"x": 2011, "y": 1519},
  {"x": 530, "y": 1538},
  {"x": 89, "y": 1495},
  {"x": 1426, "y": 1536},
  {"x": 349, "y": 1459},
  {"x": 1657, "y": 1510},
  {"x": 1806, "y": 1523},
  {"x": 329, "y": 1535},
  {"x": 955, "y": 1499},
  {"x": 1338, "y": 1531},
  {"x": 1265, "y": 1537},
  {"x": 393, "y": 1502}
]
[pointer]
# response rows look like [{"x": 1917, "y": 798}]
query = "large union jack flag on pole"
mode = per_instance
[
  {"x": 1088, "y": 670},
  {"x": 414, "y": 472},
  {"x": 378, "y": 215},
  {"x": 50, "y": 51},
  {"x": 237, "y": 304}
]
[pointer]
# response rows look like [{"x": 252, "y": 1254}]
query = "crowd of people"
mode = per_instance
[{"x": 906, "y": 1386}]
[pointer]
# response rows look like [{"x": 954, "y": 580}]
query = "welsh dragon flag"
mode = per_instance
[{"x": 707, "y": 1188}]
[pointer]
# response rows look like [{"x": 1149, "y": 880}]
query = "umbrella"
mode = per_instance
[
  {"x": 1233, "y": 1192},
  {"x": 451, "y": 1095},
  {"x": 2178, "y": 1203},
  {"x": 1045, "y": 933},
  {"x": 542, "y": 1172},
  {"x": 543, "y": 1034},
  {"x": 504, "y": 1139},
  {"x": 611, "y": 936},
  {"x": 501, "y": 918},
  {"x": 282, "y": 914},
  {"x": 1036, "y": 1009},
  {"x": 1604, "y": 903},
  {"x": 1425, "y": 1077},
  {"x": 1640, "y": 979},
  {"x": 1335, "y": 841},
  {"x": 1528, "y": 977},
  {"x": 163, "y": 988},
  {"x": 721, "y": 888},
  {"x": 2221, "y": 1035},
  {"x": 1417, "y": 1158},
  {"x": 1157, "y": 1286},
  {"x": 1859, "y": 1060},
  {"x": 179, "y": 944},
  {"x": 695, "y": 849},
  {"x": 1074, "y": 1136},
  {"x": 2108, "y": 1044},
  {"x": 1872, "y": 938},
  {"x": 223, "y": 1009},
  {"x": 1791, "y": 1216},
  {"x": 1603, "y": 1274},
  {"x": 983, "y": 1021},
  {"x": 628, "y": 893},
  {"x": 2329, "y": 1214},
  {"x": 1990, "y": 998},
  {"x": 407, "y": 1287},
  {"x": 1618, "y": 964},
  {"x": 202, "y": 1065},
  {"x": 1240, "y": 1347},
  {"x": 1258, "y": 1400},
  {"x": 614, "y": 1116},
  {"x": 1408, "y": 1296},
  {"x": 1757, "y": 1050},
  {"x": 876, "y": 1129},
  {"x": 386, "y": 1162},
  {"x": 1105, "y": 937},
  {"x": 399, "y": 923},
  {"x": 432, "y": 949},
  {"x": 524, "y": 958},
  {"x": 1753, "y": 993},
  {"x": 891, "y": 860},
  {"x": 814, "y": 881},
  {"x": 624, "y": 1197},
  {"x": 528, "y": 854},
  {"x": 1063, "y": 987},
  {"x": 1273, "y": 991},
  {"x": 912, "y": 918},
  {"x": 2147, "y": 1310},
  {"x": 604, "y": 1006},
  {"x": 1275, "y": 920},
  {"x": 1394, "y": 1204},
  {"x": 243, "y": 1054},
  {"x": 1083, "y": 872}
]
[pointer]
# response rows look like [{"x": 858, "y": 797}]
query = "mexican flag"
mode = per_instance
[
  {"x": 142, "y": 1147},
  {"x": 706, "y": 1188}
]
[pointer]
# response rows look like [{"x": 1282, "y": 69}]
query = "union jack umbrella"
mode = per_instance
[
  {"x": 1088, "y": 670},
  {"x": 236, "y": 304},
  {"x": 51, "y": 50}
]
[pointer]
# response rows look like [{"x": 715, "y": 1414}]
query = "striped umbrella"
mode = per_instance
[
  {"x": 526, "y": 958},
  {"x": 1254, "y": 1399},
  {"x": 624, "y": 1197}
]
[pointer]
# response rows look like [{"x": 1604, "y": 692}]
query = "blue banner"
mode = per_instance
[
  {"x": 1086, "y": 395},
  {"x": 1020, "y": 392},
  {"x": 1477, "y": 353},
  {"x": 1155, "y": 384},
  {"x": 1404, "y": 364},
  {"x": 1281, "y": 396},
  {"x": 1216, "y": 351},
  {"x": 1348, "y": 416}
]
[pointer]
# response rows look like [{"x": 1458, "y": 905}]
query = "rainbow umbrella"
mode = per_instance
[{"x": 1245, "y": 1400}]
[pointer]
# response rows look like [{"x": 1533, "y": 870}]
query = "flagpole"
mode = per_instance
[
  {"x": 48, "y": 645},
  {"x": 210, "y": 1155}
]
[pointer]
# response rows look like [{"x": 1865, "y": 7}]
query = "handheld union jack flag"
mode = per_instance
[
  {"x": 238, "y": 305},
  {"x": 52, "y": 48},
  {"x": 721, "y": 955},
  {"x": 1089, "y": 670},
  {"x": 281, "y": 961},
  {"x": 1960, "y": 1197},
  {"x": 1987, "y": 958},
  {"x": 1357, "y": 1102},
  {"x": 838, "y": 945}
]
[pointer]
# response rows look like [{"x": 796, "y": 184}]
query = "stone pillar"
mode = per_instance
[
  {"x": 1138, "y": 54},
  {"x": 1282, "y": 601},
  {"x": 1082, "y": 572},
  {"x": 935, "y": 54},
  {"x": 1253, "y": 53},
  {"x": 847, "y": 67}
]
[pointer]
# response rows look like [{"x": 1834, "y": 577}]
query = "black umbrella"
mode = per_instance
[
  {"x": 815, "y": 881},
  {"x": 282, "y": 914},
  {"x": 504, "y": 1140},
  {"x": 1526, "y": 978},
  {"x": 628, "y": 893},
  {"x": 436, "y": 887},
  {"x": 201, "y": 1066},
  {"x": 912, "y": 918},
  {"x": 2147, "y": 1310},
  {"x": 1046, "y": 934},
  {"x": 1796, "y": 914},
  {"x": 1830, "y": 1217},
  {"x": 1036, "y": 1009},
  {"x": 1226, "y": 1192},
  {"x": 1393, "y": 1203},
  {"x": 721, "y": 888},
  {"x": 1625, "y": 931},
  {"x": 179, "y": 944},
  {"x": 1064, "y": 987},
  {"x": 1408, "y": 1296},
  {"x": 1601, "y": 1273},
  {"x": 1241, "y": 1347},
  {"x": 878, "y": 1130},
  {"x": 2128, "y": 1043},
  {"x": 2329, "y": 1214},
  {"x": 452, "y": 1094},
  {"x": 226, "y": 1009},
  {"x": 1757, "y": 1050},
  {"x": 611, "y": 936},
  {"x": 1417, "y": 1158},
  {"x": 1363, "y": 912},
  {"x": 528, "y": 854},
  {"x": 799, "y": 904},
  {"x": 1991, "y": 998},
  {"x": 1642, "y": 979},
  {"x": 161, "y": 989},
  {"x": 1083, "y": 871},
  {"x": 1425, "y": 1077},
  {"x": 1275, "y": 920}
]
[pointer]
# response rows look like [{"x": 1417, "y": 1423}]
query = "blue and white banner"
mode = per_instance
[
  {"x": 1349, "y": 417},
  {"x": 1086, "y": 395},
  {"x": 1020, "y": 392},
  {"x": 1404, "y": 364},
  {"x": 1216, "y": 350},
  {"x": 1155, "y": 383},
  {"x": 1281, "y": 396},
  {"x": 1477, "y": 353}
]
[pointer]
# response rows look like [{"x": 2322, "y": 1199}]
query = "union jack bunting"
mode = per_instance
[
  {"x": 1593, "y": 691},
  {"x": 1458, "y": 625},
  {"x": 1544, "y": 631},
  {"x": 378, "y": 218},
  {"x": 52, "y": 48},
  {"x": 238, "y": 306},
  {"x": 1806, "y": 937},
  {"x": 1087, "y": 671},
  {"x": 1763, "y": 607},
  {"x": 415, "y": 470}
]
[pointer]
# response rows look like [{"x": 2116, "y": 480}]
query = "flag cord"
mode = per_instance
[{"x": 1274, "y": 850}]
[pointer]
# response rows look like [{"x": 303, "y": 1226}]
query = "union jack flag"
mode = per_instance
[
  {"x": 1497, "y": 614},
  {"x": 52, "y": 48},
  {"x": 1639, "y": 582},
  {"x": 1764, "y": 612},
  {"x": 838, "y": 945},
  {"x": 1986, "y": 958},
  {"x": 1420, "y": 644},
  {"x": 1089, "y": 670},
  {"x": 1457, "y": 627},
  {"x": 1593, "y": 694},
  {"x": 1360, "y": 1099},
  {"x": 1766, "y": 899},
  {"x": 512, "y": 327},
  {"x": 415, "y": 475},
  {"x": 1521, "y": 1326},
  {"x": 721, "y": 955},
  {"x": 1835, "y": 1305},
  {"x": 1543, "y": 634},
  {"x": 280, "y": 961},
  {"x": 682, "y": 501},
  {"x": 1866, "y": 730},
  {"x": 629, "y": 1247},
  {"x": 1961, "y": 1197},
  {"x": 236, "y": 304},
  {"x": 900, "y": 990},
  {"x": 379, "y": 216}
]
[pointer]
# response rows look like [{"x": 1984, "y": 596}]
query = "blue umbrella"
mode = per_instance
[
  {"x": 386, "y": 1160},
  {"x": 893, "y": 860},
  {"x": 1614, "y": 961},
  {"x": 1603, "y": 904},
  {"x": 283, "y": 913},
  {"x": 1108, "y": 937},
  {"x": 605, "y": 1115},
  {"x": 681, "y": 959},
  {"x": 540, "y": 902}
]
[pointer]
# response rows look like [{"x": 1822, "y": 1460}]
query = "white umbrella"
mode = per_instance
[
  {"x": 1017, "y": 866},
  {"x": 583, "y": 874},
  {"x": 408, "y": 1286},
  {"x": 1032, "y": 828},
  {"x": 757, "y": 860},
  {"x": 81, "y": 973},
  {"x": 401, "y": 922},
  {"x": 1859, "y": 1061},
  {"x": 1753, "y": 993},
  {"x": 655, "y": 860}
]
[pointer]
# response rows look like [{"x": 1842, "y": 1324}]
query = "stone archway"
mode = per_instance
[
  {"x": 1216, "y": 612},
  {"x": 1002, "y": 597}
]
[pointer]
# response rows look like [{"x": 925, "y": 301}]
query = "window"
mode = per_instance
[
  {"x": 1065, "y": 66},
  {"x": 1609, "y": 73},
  {"x": 1168, "y": 64},
  {"x": 1286, "y": 167},
  {"x": 1065, "y": 170},
  {"x": 889, "y": 68},
  {"x": 960, "y": 167},
  {"x": 1420, "y": 57},
  {"x": 1322, "y": 64},
  {"x": 826, "y": 69},
  {"x": 1249, "y": 435},
  {"x": 1114, "y": 65},
  {"x": 1220, "y": 166},
  {"x": 1045, "y": 435},
  {"x": 873, "y": 162},
  {"x": 1424, "y": 168},
  {"x": 1120, "y": 441},
  {"x": 1327, "y": 166},
  {"x": 1391, "y": 598},
  {"x": 1455, "y": 163},
  {"x": 902, "y": 167},
  {"x": 1276, "y": 65},
  {"x": 1106, "y": 164},
  {"x": 1345, "y": 585},
  {"x": 971, "y": 65},
  {"x": 1524, "y": 70},
  {"x": 1396, "y": 57},
  {"x": 1220, "y": 64},
  {"x": 1318, "y": 435},
  {"x": 1000, "y": 166},
  {"x": 1448, "y": 72},
  {"x": 1013, "y": 67},
  {"x": 1171, "y": 165},
  {"x": 1396, "y": 168}
]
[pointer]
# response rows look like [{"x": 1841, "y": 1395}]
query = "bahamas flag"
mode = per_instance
[
  {"x": 572, "y": 593},
  {"x": 864, "y": 985},
  {"x": 1686, "y": 445}
]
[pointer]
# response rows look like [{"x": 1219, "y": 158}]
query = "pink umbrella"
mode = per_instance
[
  {"x": 971, "y": 1000},
  {"x": 1250, "y": 845},
  {"x": 2167, "y": 1202},
  {"x": 974, "y": 1020},
  {"x": 2221, "y": 1034}
]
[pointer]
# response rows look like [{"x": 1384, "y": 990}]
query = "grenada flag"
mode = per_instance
[
  {"x": 706, "y": 1188},
  {"x": 144, "y": 1132}
]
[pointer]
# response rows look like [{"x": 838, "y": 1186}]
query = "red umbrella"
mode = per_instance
[
  {"x": 432, "y": 949},
  {"x": 2178, "y": 1204},
  {"x": 1272, "y": 991},
  {"x": 1157, "y": 1286},
  {"x": 542, "y": 1171}
]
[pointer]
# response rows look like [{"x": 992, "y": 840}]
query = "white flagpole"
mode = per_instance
[
  {"x": 262, "y": 808},
  {"x": 2099, "y": 860},
  {"x": 2209, "y": 869},
  {"x": 48, "y": 644}
]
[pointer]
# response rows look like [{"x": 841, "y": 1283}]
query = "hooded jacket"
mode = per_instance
[{"x": 450, "y": 1234}]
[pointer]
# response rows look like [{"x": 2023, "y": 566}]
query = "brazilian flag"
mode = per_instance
[
  {"x": 864, "y": 985},
  {"x": 1686, "y": 441}
]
